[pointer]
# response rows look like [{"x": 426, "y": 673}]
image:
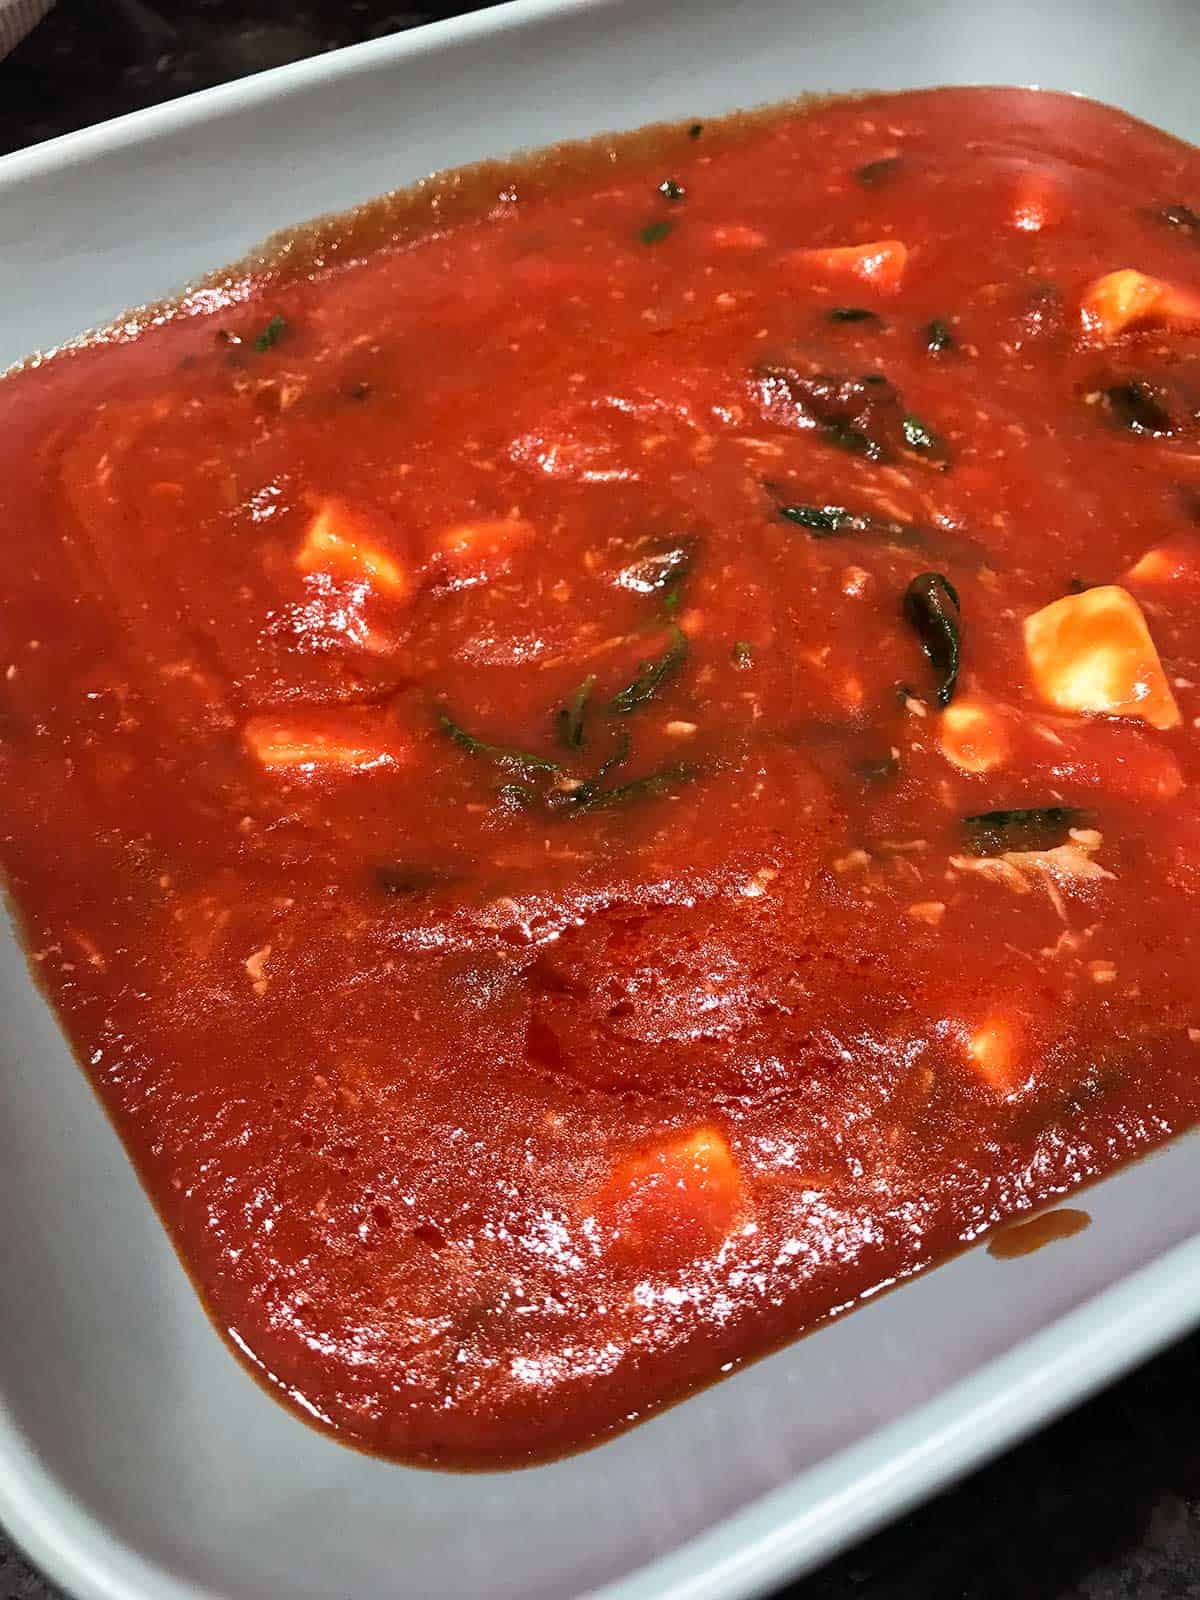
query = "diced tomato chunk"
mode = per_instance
[
  {"x": 880, "y": 265},
  {"x": 992, "y": 1054},
  {"x": 1129, "y": 299},
  {"x": 354, "y": 739},
  {"x": 672, "y": 1202},
  {"x": 1175, "y": 564},
  {"x": 343, "y": 543},
  {"x": 1093, "y": 652},
  {"x": 1037, "y": 202},
  {"x": 973, "y": 735},
  {"x": 479, "y": 550}
]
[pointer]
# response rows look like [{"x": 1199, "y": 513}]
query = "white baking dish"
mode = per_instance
[{"x": 136, "y": 1458}]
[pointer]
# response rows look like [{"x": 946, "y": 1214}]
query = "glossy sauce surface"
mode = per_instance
[{"x": 596, "y": 784}]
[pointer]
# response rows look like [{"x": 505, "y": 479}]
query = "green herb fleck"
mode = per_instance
[
  {"x": 652, "y": 786},
  {"x": 615, "y": 758},
  {"x": 670, "y": 189},
  {"x": 521, "y": 760},
  {"x": 743, "y": 654},
  {"x": 651, "y": 676},
  {"x": 854, "y": 440},
  {"x": 823, "y": 521},
  {"x": 938, "y": 337},
  {"x": 696, "y": 129},
  {"x": 993, "y": 833},
  {"x": 571, "y": 716},
  {"x": 1177, "y": 216},
  {"x": 670, "y": 603},
  {"x": 518, "y": 795},
  {"x": 654, "y": 231},
  {"x": 271, "y": 334},
  {"x": 852, "y": 314},
  {"x": 877, "y": 173},
  {"x": 918, "y": 437},
  {"x": 931, "y": 607},
  {"x": 1140, "y": 407}
]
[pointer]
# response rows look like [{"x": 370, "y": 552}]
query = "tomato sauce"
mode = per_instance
[{"x": 602, "y": 765}]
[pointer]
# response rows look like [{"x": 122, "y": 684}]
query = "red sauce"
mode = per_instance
[
  {"x": 495, "y": 1100},
  {"x": 1023, "y": 1238}
]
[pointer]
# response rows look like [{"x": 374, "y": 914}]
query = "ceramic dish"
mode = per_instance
[{"x": 137, "y": 1460}]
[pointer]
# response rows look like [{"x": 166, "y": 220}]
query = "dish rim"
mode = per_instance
[{"x": 819, "y": 1511}]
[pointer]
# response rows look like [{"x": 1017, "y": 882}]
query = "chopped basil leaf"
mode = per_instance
[
  {"x": 652, "y": 786},
  {"x": 877, "y": 769},
  {"x": 918, "y": 437},
  {"x": 876, "y": 173},
  {"x": 651, "y": 676},
  {"x": 993, "y": 833},
  {"x": 938, "y": 337},
  {"x": 855, "y": 441},
  {"x": 574, "y": 798},
  {"x": 518, "y": 795},
  {"x": 654, "y": 231},
  {"x": 522, "y": 760},
  {"x": 852, "y": 314},
  {"x": 660, "y": 568},
  {"x": 671, "y": 190},
  {"x": 931, "y": 607},
  {"x": 412, "y": 877},
  {"x": 1177, "y": 216},
  {"x": 570, "y": 717},
  {"x": 696, "y": 129},
  {"x": 824, "y": 520},
  {"x": 271, "y": 334},
  {"x": 743, "y": 654},
  {"x": 1138, "y": 406}
]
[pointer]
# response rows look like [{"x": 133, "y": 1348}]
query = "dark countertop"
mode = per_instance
[{"x": 1104, "y": 1505}]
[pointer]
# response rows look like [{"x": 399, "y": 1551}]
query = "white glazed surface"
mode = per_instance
[{"x": 137, "y": 1460}]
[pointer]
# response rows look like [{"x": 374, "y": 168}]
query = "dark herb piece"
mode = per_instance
[
  {"x": 518, "y": 795},
  {"x": 662, "y": 566},
  {"x": 1140, "y": 407},
  {"x": 1177, "y": 216},
  {"x": 271, "y": 334},
  {"x": 652, "y": 786},
  {"x": 862, "y": 415},
  {"x": 852, "y": 314},
  {"x": 931, "y": 607},
  {"x": 412, "y": 877},
  {"x": 743, "y": 654},
  {"x": 696, "y": 129},
  {"x": 500, "y": 754},
  {"x": 654, "y": 231},
  {"x": 670, "y": 603},
  {"x": 570, "y": 717},
  {"x": 651, "y": 676},
  {"x": 574, "y": 798},
  {"x": 921, "y": 438},
  {"x": 358, "y": 391},
  {"x": 823, "y": 521},
  {"x": 876, "y": 173},
  {"x": 856, "y": 442},
  {"x": 878, "y": 769},
  {"x": 938, "y": 337},
  {"x": 671, "y": 190},
  {"x": 992, "y": 833}
]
